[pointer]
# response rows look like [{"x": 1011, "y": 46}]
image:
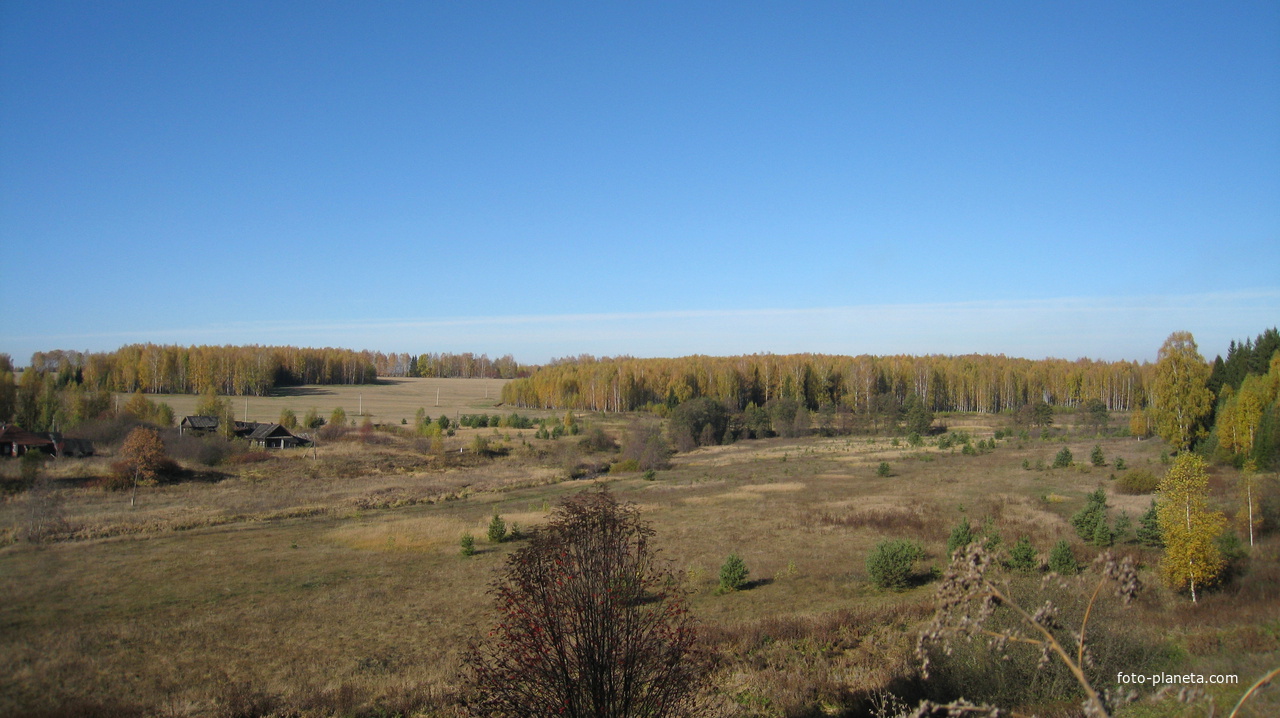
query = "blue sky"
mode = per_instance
[{"x": 549, "y": 179}]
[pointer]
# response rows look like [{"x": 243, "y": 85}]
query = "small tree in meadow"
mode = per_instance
[
  {"x": 141, "y": 456},
  {"x": 1102, "y": 534},
  {"x": 733, "y": 574},
  {"x": 497, "y": 529},
  {"x": 1063, "y": 459},
  {"x": 1062, "y": 560},
  {"x": 1149, "y": 528},
  {"x": 1086, "y": 520},
  {"x": 467, "y": 544},
  {"x": 1022, "y": 556},
  {"x": 883, "y": 470},
  {"x": 1189, "y": 526},
  {"x": 890, "y": 563},
  {"x": 961, "y": 536},
  {"x": 1096, "y": 457}
]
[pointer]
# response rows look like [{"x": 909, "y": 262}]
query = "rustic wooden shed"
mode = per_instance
[
  {"x": 16, "y": 442},
  {"x": 275, "y": 436}
]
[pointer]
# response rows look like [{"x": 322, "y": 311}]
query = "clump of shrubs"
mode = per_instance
[
  {"x": 890, "y": 563},
  {"x": 1137, "y": 481},
  {"x": 250, "y": 457},
  {"x": 597, "y": 440},
  {"x": 646, "y": 446}
]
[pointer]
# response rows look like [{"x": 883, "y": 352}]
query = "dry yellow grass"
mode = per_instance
[
  {"x": 233, "y": 590},
  {"x": 388, "y": 401}
]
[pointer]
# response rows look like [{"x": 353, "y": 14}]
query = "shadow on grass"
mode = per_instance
[{"x": 284, "y": 391}]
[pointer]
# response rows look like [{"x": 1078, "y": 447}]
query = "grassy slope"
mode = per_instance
[{"x": 353, "y": 607}]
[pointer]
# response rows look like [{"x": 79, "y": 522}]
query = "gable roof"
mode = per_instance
[
  {"x": 13, "y": 435},
  {"x": 201, "y": 422},
  {"x": 269, "y": 431}
]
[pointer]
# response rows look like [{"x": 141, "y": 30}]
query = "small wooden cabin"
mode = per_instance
[
  {"x": 275, "y": 436},
  {"x": 16, "y": 442},
  {"x": 199, "y": 424}
]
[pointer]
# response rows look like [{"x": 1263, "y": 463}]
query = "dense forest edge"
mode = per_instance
[{"x": 713, "y": 399}]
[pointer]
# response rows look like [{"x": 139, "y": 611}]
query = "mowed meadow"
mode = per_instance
[
  {"x": 387, "y": 400},
  {"x": 329, "y": 582}
]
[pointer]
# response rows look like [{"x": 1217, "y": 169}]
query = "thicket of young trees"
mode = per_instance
[
  {"x": 252, "y": 370},
  {"x": 1246, "y": 425},
  {"x": 977, "y": 383}
]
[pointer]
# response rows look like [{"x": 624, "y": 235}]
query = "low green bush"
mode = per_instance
[
  {"x": 1137, "y": 481},
  {"x": 890, "y": 563},
  {"x": 1062, "y": 560},
  {"x": 733, "y": 574},
  {"x": 1022, "y": 556},
  {"x": 961, "y": 536},
  {"x": 1096, "y": 457},
  {"x": 497, "y": 529},
  {"x": 1063, "y": 459},
  {"x": 625, "y": 465}
]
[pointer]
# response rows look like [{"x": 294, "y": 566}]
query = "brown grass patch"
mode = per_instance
[
  {"x": 925, "y": 520},
  {"x": 771, "y": 488},
  {"x": 418, "y": 534}
]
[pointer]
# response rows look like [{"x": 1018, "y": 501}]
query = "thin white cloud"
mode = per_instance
[{"x": 1098, "y": 327}]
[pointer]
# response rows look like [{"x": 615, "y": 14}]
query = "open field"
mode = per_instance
[
  {"x": 333, "y": 585},
  {"x": 387, "y": 401}
]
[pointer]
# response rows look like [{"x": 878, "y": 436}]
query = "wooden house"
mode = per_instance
[
  {"x": 275, "y": 436},
  {"x": 16, "y": 442},
  {"x": 198, "y": 424}
]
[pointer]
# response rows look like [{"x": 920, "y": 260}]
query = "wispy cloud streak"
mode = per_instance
[{"x": 1098, "y": 327}]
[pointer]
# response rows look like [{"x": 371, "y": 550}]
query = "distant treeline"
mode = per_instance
[
  {"x": 969, "y": 383},
  {"x": 249, "y": 370},
  {"x": 171, "y": 369},
  {"x": 62, "y": 389}
]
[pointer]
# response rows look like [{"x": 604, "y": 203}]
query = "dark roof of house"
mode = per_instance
[
  {"x": 201, "y": 422},
  {"x": 13, "y": 435},
  {"x": 269, "y": 431}
]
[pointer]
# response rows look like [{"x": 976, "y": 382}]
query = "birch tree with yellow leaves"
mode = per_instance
[
  {"x": 1189, "y": 526},
  {"x": 1182, "y": 397}
]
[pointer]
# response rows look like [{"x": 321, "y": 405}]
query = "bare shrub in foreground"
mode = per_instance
[{"x": 590, "y": 624}]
